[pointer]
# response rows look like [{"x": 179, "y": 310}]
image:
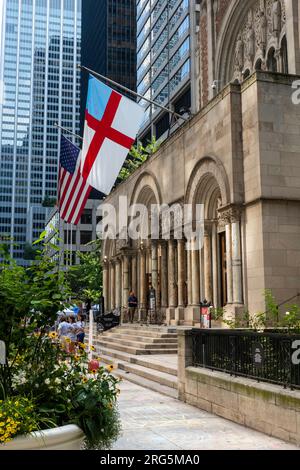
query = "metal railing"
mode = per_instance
[{"x": 270, "y": 356}]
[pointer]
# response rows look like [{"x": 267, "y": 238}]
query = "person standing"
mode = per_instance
[
  {"x": 132, "y": 306},
  {"x": 62, "y": 331},
  {"x": 80, "y": 329},
  {"x": 71, "y": 334}
]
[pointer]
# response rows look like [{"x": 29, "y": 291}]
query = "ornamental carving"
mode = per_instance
[
  {"x": 261, "y": 30},
  {"x": 229, "y": 216}
]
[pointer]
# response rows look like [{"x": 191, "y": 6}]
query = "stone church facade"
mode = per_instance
[{"x": 239, "y": 156}]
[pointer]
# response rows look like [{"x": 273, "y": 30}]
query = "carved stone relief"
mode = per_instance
[{"x": 262, "y": 28}]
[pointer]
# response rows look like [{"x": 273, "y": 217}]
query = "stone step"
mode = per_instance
[
  {"x": 140, "y": 332},
  {"x": 149, "y": 328},
  {"x": 145, "y": 372},
  {"x": 156, "y": 387},
  {"x": 138, "y": 344},
  {"x": 130, "y": 349},
  {"x": 140, "y": 338},
  {"x": 114, "y": 355}
]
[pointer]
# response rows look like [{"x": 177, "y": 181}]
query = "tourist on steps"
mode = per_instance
[{"x": 132, "y": 306}]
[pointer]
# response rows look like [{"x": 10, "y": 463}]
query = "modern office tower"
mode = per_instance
[
  {"x": 166, "y": 43},
  {"x": 40, "y": 49},
  {"x": 76, "y": 239},
  {"x": 109, "y": 41}
]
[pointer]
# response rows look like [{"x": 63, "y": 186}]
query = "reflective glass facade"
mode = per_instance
[
  {"x": 163, "y": 57},
  {"x": 109, "y": 41},
  {"x": 40, "y": 49}
]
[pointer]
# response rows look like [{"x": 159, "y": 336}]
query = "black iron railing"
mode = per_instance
[{"x": 268, "y": 357}]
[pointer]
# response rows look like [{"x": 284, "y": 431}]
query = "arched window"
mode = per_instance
[
  {"x": 258, "y": 65},
  {"x": 284, "y": 56},
  {"x": 271, "y": 61}
]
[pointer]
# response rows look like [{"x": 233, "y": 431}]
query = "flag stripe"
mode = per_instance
[
  {"x": 73, "y": 189},
  {"x": 81, "y": 205}
]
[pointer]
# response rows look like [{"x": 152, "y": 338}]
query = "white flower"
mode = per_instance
[
  {"x": 57, "y": 381},
  {"x": 47, "y": 381}
]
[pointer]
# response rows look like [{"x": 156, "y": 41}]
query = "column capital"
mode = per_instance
[{"x": 230, "y": 214}]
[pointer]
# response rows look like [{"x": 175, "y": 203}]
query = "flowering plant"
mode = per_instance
[{"x": 52, "y": 387}]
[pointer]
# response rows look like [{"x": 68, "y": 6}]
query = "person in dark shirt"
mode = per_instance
[{"x": 132, "y": 306}]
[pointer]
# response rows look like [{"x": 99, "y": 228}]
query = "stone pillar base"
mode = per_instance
[
  {"x": 170, "y": 315},
  {"x": 179, "y": 316},
  {"x": 235, "y": 312},
  {"x": 192, "y": 315},
  {"x": 142, "y": 315}
]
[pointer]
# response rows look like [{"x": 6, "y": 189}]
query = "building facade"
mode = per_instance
[
  {"x": 40, "y": 50},
  {"x": 239, "y": 157},
  {"x": 166, "y": 60},
  {"x": 75, "y": 239}
]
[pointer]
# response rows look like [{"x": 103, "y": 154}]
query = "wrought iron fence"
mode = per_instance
[{"x": 268, "y": 357}]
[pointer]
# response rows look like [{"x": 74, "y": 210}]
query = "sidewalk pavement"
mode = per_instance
[{"x": 151, "y": 421}]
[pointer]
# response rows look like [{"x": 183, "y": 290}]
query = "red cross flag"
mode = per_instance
[{"x": 111, "y": 125}]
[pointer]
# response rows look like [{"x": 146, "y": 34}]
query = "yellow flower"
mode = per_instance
[
  {"x": 92, "y": 348},
  {"x": 82, "y": 345},
  {"x": 84, "y": 380},
  {"x": 94, "y": 371},
  {"x": 98, "y": 359},
  {"x": 67, "y": 340},
  {"x": 110, "y": 368},
  {"x": 53, "y": 335},
  {"x": 76, "y": 358}
]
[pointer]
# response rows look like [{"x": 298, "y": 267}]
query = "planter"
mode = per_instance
[{"x": 68, "y": 437}]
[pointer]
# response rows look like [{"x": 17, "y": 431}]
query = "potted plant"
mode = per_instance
[{"x": 48, "y": 398}]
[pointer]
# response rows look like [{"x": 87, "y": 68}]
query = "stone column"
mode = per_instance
[
  {"x": 228, "y": 263},
  {"x": 171, "y": 274},
  {"x": 154, "y": 268},
  {"x": 105, "y": 285},
  {"x": 179, "y": 312},
  {"x": 189, "y": 276},
  {"x": 181, "y": 272},
  {"x": 195, "y": 275},
  {"x": 118, "y": 291},
  {"x": 112, "y": 286},
  {"x": 125, "y": 280},
  {"x": 215, "y": 265},
  {"x": 134, "y": 274},
  {"x": 207, "y": 266},
  {"x": 143, "y": 293},
  {"x": 237, "y": 284},
  {"x": 164, "y": 275},
  {"x": 172, "y": 287}
]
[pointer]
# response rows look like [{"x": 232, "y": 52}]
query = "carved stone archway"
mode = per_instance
[{"x": 247, "y": 35}]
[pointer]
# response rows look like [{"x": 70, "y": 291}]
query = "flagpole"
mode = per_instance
[
  {"x": 67, "y": 131},
  {"x": 122, "y": 87}
]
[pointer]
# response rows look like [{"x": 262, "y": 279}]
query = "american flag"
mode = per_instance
[{"x": 73, "y": 189}]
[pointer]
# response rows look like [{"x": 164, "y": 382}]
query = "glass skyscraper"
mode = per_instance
[
  {"x": 109, "y": 42},
  {"x": 166, "y": 35},
  {"x": 40, "y": 50}
]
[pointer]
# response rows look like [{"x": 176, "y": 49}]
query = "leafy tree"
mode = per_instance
[
  {"x": 86, "y": 278},
  {"x": 136, "y": 157},
  {"x": 30, "y": 298},
  {"x": 30, "y": 253}
]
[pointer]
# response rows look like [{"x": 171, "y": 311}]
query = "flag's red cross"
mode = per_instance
[{"x": 103, "y": 130}]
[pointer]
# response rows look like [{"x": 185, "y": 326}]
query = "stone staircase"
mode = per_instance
[{"x": 145, "y": 355}]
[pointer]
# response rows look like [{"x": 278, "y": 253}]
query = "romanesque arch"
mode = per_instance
[
  {"x": 146, "y": 189},
  {"x": 208, "y": 175},
  {"x": 250, "y": 39}
]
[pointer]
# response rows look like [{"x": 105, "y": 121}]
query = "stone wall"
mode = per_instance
[{"x": 266, "y": 408}]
